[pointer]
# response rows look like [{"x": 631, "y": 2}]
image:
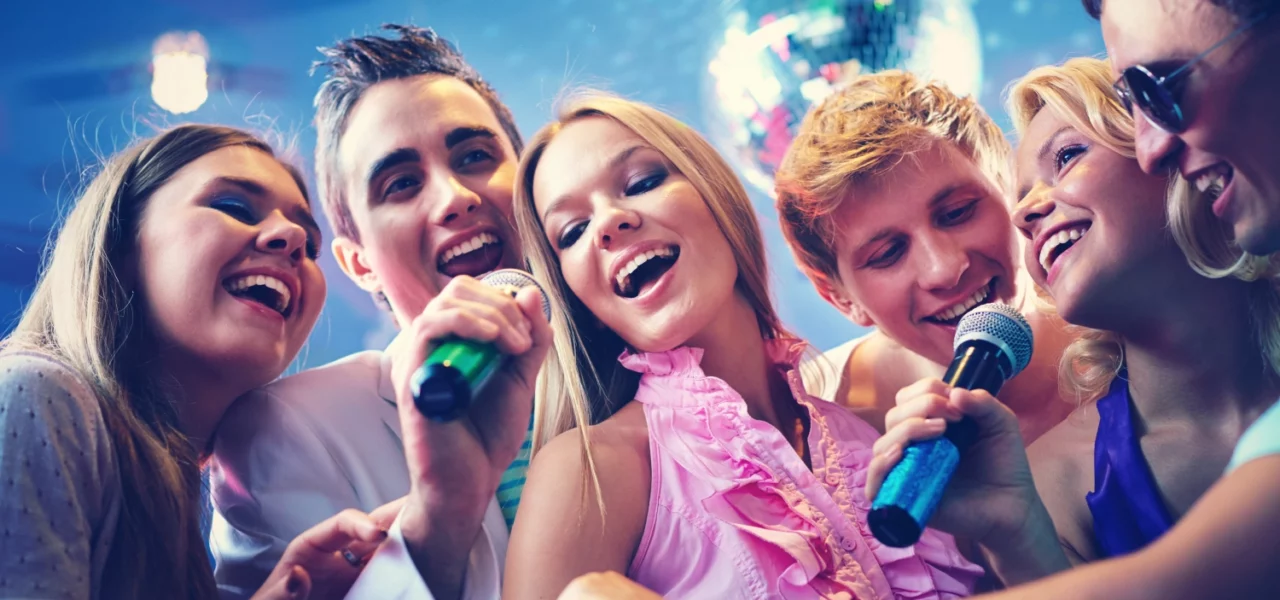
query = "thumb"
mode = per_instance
[
  {"x": 297, "y": 586},
  {"x": 386, "y": 514},
  {"x": 294, "y": 584},
  {"x": 531, "y": 301},
  {"x": 988, "y": 413}
]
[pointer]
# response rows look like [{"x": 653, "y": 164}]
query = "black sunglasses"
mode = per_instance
[{"x": 1157, "y": 97}]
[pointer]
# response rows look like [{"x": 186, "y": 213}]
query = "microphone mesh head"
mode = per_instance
[
  {"x": 513, "y": 280},
  {"x": 1002, "y": 325}
]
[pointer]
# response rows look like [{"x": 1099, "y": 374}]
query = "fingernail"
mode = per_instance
[{"x": 935, "y": 423}]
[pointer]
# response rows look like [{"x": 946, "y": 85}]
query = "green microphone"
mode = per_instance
[{"x": 458, "y": 368}]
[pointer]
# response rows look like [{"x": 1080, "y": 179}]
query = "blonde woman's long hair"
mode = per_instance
[
  {"x": 83, "y": 312},
  {"x": 1080, "y": 92},
  {"x": 582, "y": 382},
  {"x": 1211, "y": 250}
]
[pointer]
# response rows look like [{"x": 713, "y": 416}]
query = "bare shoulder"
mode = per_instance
[
  {"x": 1062, "y": 459},
  {"x": 561, "y": 529},
  {"x": 1062, "y": 464},
  {"x": 619, "y": 451},
  {"x": 876, "y": 370}
]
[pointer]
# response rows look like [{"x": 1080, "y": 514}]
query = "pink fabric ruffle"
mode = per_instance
[{"x": 806, "y": 529}]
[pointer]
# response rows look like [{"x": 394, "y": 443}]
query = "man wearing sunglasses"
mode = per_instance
[
  {"x": 1200, "y": 76},
  {"x": 1203, "y": 78}
]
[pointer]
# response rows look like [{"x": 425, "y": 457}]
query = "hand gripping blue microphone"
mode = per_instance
[
  {"x": 993, "y": 343},
  {"x": 457, "y": 369}
]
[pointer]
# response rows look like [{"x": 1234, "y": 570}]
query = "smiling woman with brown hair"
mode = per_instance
[{"x": 184, "y": 276}]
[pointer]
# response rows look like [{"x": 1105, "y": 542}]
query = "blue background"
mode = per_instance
[{"x": 74, "y": 85}]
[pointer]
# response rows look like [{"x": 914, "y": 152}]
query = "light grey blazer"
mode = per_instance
[{"x": 302, "y": 449}]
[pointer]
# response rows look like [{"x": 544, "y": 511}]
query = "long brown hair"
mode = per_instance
[{"x": 83, "y": 313}]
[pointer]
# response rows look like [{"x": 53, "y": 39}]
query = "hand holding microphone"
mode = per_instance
[
  {"x": 456, "y": 370},
  {"x": 458, "y": 445},
  {"x": 957, "y": 426}
]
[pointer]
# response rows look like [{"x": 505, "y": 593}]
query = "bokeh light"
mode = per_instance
[{"x": 179, "y": 72}]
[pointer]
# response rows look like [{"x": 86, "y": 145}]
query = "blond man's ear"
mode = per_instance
[{"x": 838, "y": 297}]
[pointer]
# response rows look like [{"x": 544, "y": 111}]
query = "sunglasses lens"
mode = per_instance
[
  {"x": 1122, "y": 92},
  {"x": 1154, "y": 100}
]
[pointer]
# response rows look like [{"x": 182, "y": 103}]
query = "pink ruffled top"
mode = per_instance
[{"x": 734, "y": 512}]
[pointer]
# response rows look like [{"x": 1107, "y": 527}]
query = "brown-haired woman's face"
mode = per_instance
[
  {"x": 1096, "y": 224},
  {"x": 227, "y": 268},
  {"x": 636, "y": 242}
]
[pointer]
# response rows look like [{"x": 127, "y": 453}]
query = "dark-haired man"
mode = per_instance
[
  {"x": 415, "y": 160},
  {"x": 1201, "y": 78}
]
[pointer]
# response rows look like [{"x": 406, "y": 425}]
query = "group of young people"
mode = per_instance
[{"x": 664, "y": 434}]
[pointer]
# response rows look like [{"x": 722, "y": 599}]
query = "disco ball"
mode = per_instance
[{"x": 778, "y": 58}]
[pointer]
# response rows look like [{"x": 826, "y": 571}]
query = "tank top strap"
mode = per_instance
[{"x": 1128, "y": 512}]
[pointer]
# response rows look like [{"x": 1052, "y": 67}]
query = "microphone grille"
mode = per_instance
[
  {"x": 1003, "y": 326},
  {"x": 513, "y": 280}
]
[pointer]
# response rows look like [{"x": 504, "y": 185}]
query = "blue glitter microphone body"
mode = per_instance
[{"x": 993, "y": 343}]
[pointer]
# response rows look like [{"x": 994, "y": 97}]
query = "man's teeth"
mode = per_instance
[
  {"x": 1062, "y": 237},
  {"x": 1214, "y": 181},
  {"x": 626, "y": 271},
  {"x": 964, "y": 306},
  {"x": 475, "y": 243},
  {"x": 247, "y": 281}
]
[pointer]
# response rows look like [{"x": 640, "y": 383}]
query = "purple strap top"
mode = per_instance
[{"x": 1128, "y": 512}]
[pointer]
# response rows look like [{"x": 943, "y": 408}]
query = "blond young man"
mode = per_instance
[{"x": 894, "y": 199}]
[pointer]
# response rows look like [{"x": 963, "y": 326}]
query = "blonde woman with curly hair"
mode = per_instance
[
  {"x": 1173, "y": 370},
  {"x": 699, "y": 466}
]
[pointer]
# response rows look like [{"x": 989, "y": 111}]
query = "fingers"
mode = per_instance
[
  {"x": 991, "y": 416},
  {"x": 924, "y": 399},
  {"x": 470, "y": 309},
  {"x": 975, "y": 403},
  {"x": 921, "y": 388},
  {"x": 530, "y": 302},
  {"x": 889, "y": 448},
  {"x": 386, "y": 514},
  {"x": 348, "y": 529},
  {"x": 285, "y": 584},
  {"x": 473, "y": 290},
  {"x": 881, "y": 464},
  {"x": 923, "y": 410},
  {"x": 474, "y": 321},
  {"x": 298, "y": 585},
  {"x": 914, "y": 429},
  {"x": 530, "y": 362}
]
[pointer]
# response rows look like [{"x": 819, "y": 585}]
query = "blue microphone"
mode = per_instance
[
  {"x": 993, "y": 343},
  {"x": 457, "y": 369}
]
